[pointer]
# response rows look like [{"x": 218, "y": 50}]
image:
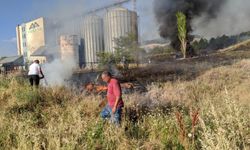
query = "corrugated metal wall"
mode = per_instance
[
  {"x": 69, "y": 45},
  {"x": 118, "y": 22},
  {"x": 93, "y": 38}
]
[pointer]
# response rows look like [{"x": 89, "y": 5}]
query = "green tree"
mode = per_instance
[
  {"x": 182, "y": 31},
  {"x": 105, "y": 58},
  {"x": 200, "y": 45},
  {"x": 128, "y": 47}
]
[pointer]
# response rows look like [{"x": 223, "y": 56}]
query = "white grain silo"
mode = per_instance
[
  {"x": 69, "y": 45},
  {"x": 93, "y": 38},
  {"x": 118, "y": 22}
]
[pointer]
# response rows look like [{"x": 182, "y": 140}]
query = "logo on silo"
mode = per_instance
[{"x": 34, "y": 25}]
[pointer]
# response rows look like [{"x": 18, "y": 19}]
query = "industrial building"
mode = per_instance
[
  {"x": 30, "y": 36},
  {"x": 10, "y": 64},
  {"x": 45, "y": 54},
  {"x": 93, "y": 37},
  {"x": 99, "y": 34},
  {"x": 40, "y": 40},
  {"x": 118, "y": 22},
  {"x": 69, "y": 48},
  {"x": 95, "y": 34},
  {"x": 34, "y": 35}
]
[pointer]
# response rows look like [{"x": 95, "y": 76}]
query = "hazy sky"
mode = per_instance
[{"x": 14, "y": 12}]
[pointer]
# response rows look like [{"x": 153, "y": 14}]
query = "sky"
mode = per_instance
[{"x": 14, "y": 12}]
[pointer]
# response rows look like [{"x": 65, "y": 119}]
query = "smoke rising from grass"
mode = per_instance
[
  {"x": 232, "y": 19},
  {"x": 64, "y": 19},
  {"x": 165, "y": 12},
  {"x": 58, "y": 72},
  {"x": 207, "y": 18}
]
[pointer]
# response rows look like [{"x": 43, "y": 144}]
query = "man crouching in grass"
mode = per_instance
[{"x": 113, "y": 110}]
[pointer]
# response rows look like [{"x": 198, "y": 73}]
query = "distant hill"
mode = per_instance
[
  {"x": 220, "y": 42},
  {"x": 155, "y": 41},
  {"x": 240, "y": 46}
]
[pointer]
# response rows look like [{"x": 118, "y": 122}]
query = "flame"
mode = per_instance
[
  {"x": 91, "y": 87},
  {"x": 101, "y": 88}
]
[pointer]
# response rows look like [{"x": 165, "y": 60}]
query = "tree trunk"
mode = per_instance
[{"x": 184, "y": 48}]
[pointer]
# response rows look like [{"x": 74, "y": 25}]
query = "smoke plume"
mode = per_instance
[
  {"x": 165, "y": 12},
  {"x": 58, "y": 72},
  {"x": 232, "y": 19},
  {"x": 63, "y": 18}
]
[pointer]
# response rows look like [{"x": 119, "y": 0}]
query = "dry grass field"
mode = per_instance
[{"x": 190, "y": 104}]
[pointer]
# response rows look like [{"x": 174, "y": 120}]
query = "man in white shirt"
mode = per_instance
[{"x": 34, "y": 72}]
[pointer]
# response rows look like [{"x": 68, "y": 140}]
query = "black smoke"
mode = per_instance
[{"x": 165, "y": 12}]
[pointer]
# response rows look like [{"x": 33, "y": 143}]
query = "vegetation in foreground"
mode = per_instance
[{"x": 209, "y": 112}]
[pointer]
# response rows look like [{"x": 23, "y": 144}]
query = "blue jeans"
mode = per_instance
[{"x": 114, "y": 118}]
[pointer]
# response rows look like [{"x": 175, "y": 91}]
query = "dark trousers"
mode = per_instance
[{"x": 34, "y": 79}]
